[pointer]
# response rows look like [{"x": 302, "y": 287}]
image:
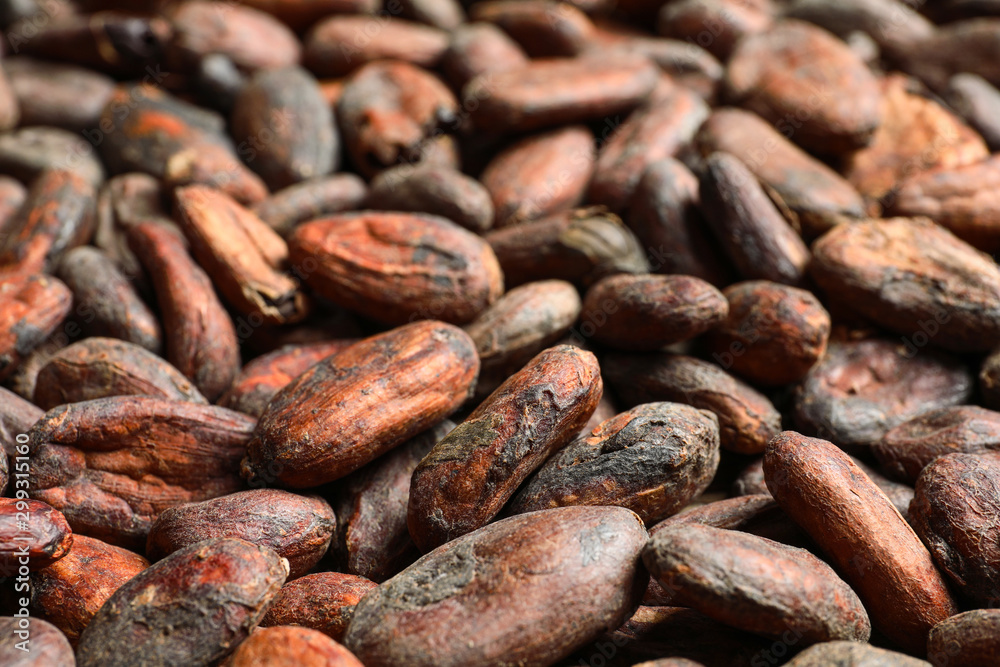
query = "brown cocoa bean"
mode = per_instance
[
  {"x": 48, "y": 646},
  {"x": 69, "y": 592},
  {"x": 361, "y": 402},
  {"x": 540, "y": 175},
  {"x": 834, "y": 101},
  {"x": 978, "y": 103},
  {"x": 816, "y": 195},
  {"x": 201, "y": 339},
  {"x": 729, "y": 576},
  {"x": 747, "y": 419},
  {"x": 852, "y": 654},
  {"x": 908, "y": 448},
  {"x": 659, "y": 129},
  {"x": 32, "y": 306},
  {"x": 300, "y": 14},
  {"x": 311, "y": 199},
  {"x": 955, "y": 500},
  {"x": 469, "y": 475},
  {"x": 167, "y": 138},
  {"x": 31, "y": 529},
  {"x": 16, "y": 417},
  {"x": 528, "y": 590},
  {"x": 102, "y": 367},
  {"x": 883, "y": 269},
  {"x": 916, "y": 134},
  {"x": 652, "y": 459},
  {"x": 559, "y": 91},
  {"x": 338, "y": 45},
  {"x": 866, "y": 539},
  {"x": 95, "y": 461},
  {"x": 58, "y": 94},
  {"x": 861, "y": 389},
  {"x": 372, "y": 538},
  {"x": 298, "y": 528},
  {"x": 543, "y": 28},
  {"x": 241, "y": 254},
  {"x": 268, "y": 374},
  {"x": 250, "y": 38},
  {"x": 282, "y": 112},
  {"x": 479, "y": 48},
  {"x": 192, "y": 607},
  {"x": 398, "y": 267},
  {"x": 961, "y": 46},
  {"x": 962, "y": 199},
  {"x": 580, "y": 246},
  {"x": 970, "y": 638},
  {"x": 290, "y": 646},
  {"x": 324, "y": 602},
  {"x": 521, "y": 323},
  {"x": 57, "y": 215},
  {"x": 751, "y": 231},
  {"x": 664, "y": 216},
  {"x": 30, "y": 152},
  {"x": 436, "y": 190},
  {"x": 773, "y": 334},
  {"x": 647, "y": 312},
  {"x": 106, "y": 300},
  {"x": 730, "y": 21}
]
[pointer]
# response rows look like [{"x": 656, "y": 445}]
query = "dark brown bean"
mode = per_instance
[
  {"x": 102, "y": 367},
  {"x": 971, "y": 639},
  {"x": 773, "y": 335},
  {"x": 751, "y": 231},
  {"x": 665, "y": 217},
  {"x": 436, "y": 190},
  {"x": 105, "y": 302},
  {"x": 978, "y": 103},
  {"x": 469, "y": 476},
  {"x": 521, "y": 323},
  {"x": 852, "y": 654},
  {"x": 288, "y": 125},
  {"x": 580, "y": 246},
  {"x": 58, "y": 94},
  {"x": 569, "y": 574},
  {"x": 311, "y": 199},
  {"x": 861, "y": 389},
  {"x": 747, "y": 419},
  {"x": 647, "y": 312},
  {"x": 372, "y": 538},
  {"x": 729, "y": 576},
  {"x": 543, "y": 28},
  {"x": 652, "y": 459},
  {"x": 478, "y": 48},
  {"x": 193, "y": 607},
  {"x": 956, "y": 499},
  {"x": 816, "y": 195},
  {"x": 94, "y": 461}
]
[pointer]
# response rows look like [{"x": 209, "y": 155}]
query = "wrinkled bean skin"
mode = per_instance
[
  {"x": 652, "y": 459},
  {"x": 468, "y": 476},
  {"x": 571, "y": 573}
]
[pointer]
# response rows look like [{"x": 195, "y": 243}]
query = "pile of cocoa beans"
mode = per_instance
[{"x": 584, "y": 333}]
